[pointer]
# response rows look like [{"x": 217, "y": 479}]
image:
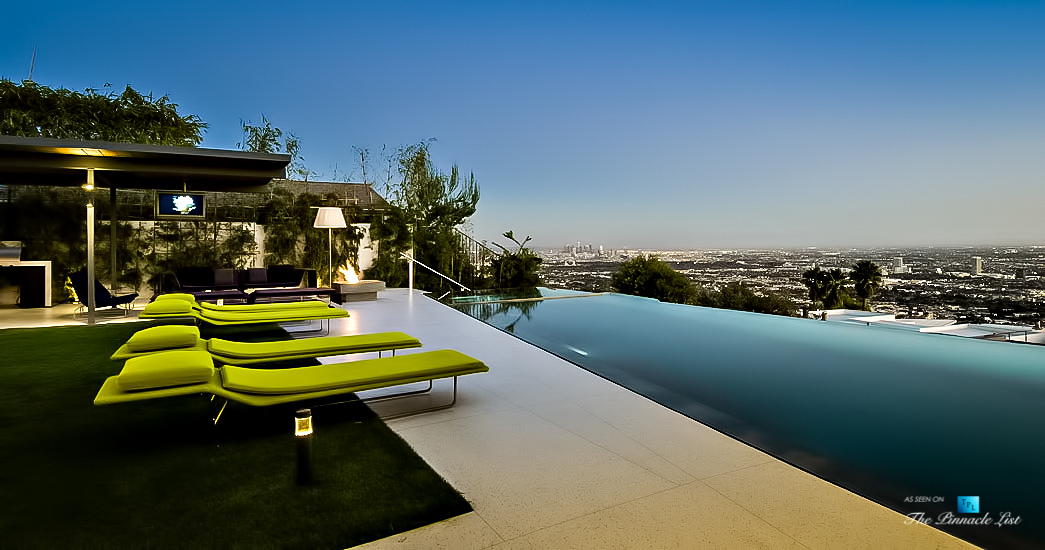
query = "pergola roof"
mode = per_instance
[{"x": 63, "y": 162}]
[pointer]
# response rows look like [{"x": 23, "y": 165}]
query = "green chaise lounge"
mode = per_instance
[
  {"x": 184, "y": 337},
  {"x": 240, "y": 308},
  {"x": 174, "y": 373},
  {"x": 242, "y": 314}
]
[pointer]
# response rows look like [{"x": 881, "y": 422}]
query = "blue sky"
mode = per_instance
[{"x": 627, "y": 124}]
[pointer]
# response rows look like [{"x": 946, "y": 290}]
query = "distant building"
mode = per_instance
[
  {"x": 899, "y": 267},
  {"x": 977, "y": 265}
]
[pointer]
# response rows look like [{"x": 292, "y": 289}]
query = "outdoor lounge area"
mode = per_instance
[
  {"x": 552, "y": 456},
  {"x": 250, "y": 285}
]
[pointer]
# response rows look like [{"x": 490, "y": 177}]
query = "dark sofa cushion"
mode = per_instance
[
  {"x": 257, "y": 276},
  {"x": 195, "y": 278},
  {"x": 284, "y": 275},
  {"x": 225, "y": 278}
]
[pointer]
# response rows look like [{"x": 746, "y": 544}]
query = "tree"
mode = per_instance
[
  {"x": 834, "y": 289},
  {"x": 867, "y": 279},
  {"x": 737, "y": 295},
  {"x": 648, "y": 276},
  {"x": 33, "y": 110},
  {"x": 266, "y": 138},
  {"x": 516, "y": 269},
  {"x": 53, "y": 231},
  {"x": 427, "y": 206},
  {"x": 816, "y": 280},
  {"x": 290, "y": 237},
  {"x": 428, "y": 197}
]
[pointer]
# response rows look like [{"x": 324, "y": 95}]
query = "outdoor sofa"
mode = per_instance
[{"x": 264, "y": 284}]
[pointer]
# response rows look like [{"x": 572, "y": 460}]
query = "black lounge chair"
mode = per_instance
[{"x": 102, "y": 297}]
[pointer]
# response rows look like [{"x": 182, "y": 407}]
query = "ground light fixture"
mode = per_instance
[
  {"x": 329, "y": 218},
  {"x": 303, "y": 437}
]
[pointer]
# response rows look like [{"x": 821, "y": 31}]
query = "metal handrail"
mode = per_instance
[
  {"x": 478, "y": 253},
  {"x": 414, "y": 260}
]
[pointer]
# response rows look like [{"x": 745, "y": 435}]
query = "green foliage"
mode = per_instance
[
  {"x": 428, "y": 197},
  {"x": 50, "y": 229},
  {"x": 648, "y": 276},
  {"x": 291, "y": 239},
  {"x": 826, "y": 287},
  {"x": 815, "y": 280},
  {"x": 427, "y": 205},
  {"x": 393, "y": 233},
  {"x": 739, "y": 296},
  {"x": 288, "y": 226},
  {"x": 652, "y": 278},
  {"x": 518, "y": 268},
  {"x": 172, "y": 246},
  {"x": 33, "y": 110},
  {"x": 265, "y": 138},
  {"x": 867, "y": 279},
  {"x": 130, "y": 250},
  {"x": 834, "y": 291}
]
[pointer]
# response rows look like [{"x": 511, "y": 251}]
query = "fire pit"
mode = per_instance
[{"x": 354, "y": 290}]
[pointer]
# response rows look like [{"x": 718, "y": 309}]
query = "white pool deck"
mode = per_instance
[{"x": 552, "y": 456}]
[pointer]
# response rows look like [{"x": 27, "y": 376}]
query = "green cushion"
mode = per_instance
[
  {"x": 330, "y": 345},
  {"x": 168, "y": 307},
  {"x": 165, "y": 369},
  {"x": 276, "y": 306},
  {"x": 302, "y": 314},
  {"x": 164, "y": 337},
  {"x": 177, "y": 296},
  {"x": 388, "y": 371}
]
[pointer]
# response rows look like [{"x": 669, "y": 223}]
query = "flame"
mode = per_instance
[{"x": 347, "y": 274}]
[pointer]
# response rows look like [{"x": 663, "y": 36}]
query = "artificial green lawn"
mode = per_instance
[{"x": 158, "y": 474}]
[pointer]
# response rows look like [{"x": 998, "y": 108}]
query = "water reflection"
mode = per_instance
[{"x": 503, "y": 309}]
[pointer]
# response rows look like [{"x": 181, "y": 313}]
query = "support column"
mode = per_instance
[
  {"x": 90, "y": 247},
  {"x": 410, "y": 269},
  {"x": 114, "y": 274}
]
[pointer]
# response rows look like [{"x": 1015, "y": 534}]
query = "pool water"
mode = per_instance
[{"x": 904, "y": 419}]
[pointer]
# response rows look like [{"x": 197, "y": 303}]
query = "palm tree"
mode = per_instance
[
  {"x": 867, "y": 278},
  {"x": 815, "y": 280},
  {"x": 834, "y": 288}
]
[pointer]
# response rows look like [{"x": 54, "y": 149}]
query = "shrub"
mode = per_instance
[{"x": 648, "y": 276}]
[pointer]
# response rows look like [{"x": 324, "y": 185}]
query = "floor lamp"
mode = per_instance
[{"x": 328, "y": 218}]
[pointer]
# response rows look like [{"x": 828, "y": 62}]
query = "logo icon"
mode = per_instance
[{"x": 968, "y": 505}]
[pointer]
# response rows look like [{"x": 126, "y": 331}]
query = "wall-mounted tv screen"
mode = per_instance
[{"x": 180, "y": 205}]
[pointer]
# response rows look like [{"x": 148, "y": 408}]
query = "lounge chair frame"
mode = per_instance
[
  {"x": 104, "y": 300},
  {"x": 375, "y": 399}
]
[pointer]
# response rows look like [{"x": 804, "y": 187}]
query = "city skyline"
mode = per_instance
[{"x": 670, "y": 125}]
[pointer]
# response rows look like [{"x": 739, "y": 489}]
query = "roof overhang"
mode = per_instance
[{"x": 60, "y": 162}]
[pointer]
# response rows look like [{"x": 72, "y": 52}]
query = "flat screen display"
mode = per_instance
[{"x": 180, "y": 205}]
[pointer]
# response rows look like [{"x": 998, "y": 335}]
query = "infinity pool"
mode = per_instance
[{"x": 912, "y": 421}]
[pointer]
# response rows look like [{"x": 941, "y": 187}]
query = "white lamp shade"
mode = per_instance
[{"x": 329, "y": 217}]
